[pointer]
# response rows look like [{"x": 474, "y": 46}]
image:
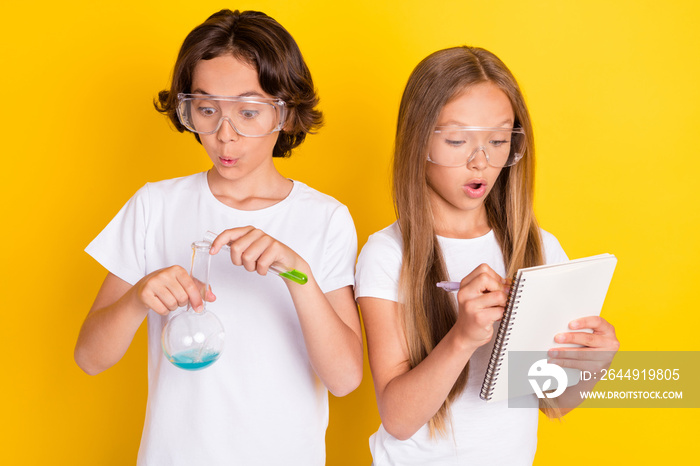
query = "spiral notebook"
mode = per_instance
[{"x": 542, "y": 302}]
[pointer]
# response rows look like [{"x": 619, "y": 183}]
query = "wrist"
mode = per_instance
[
  {"x": 460, "y": 340},
  {"x": 133, "y": 305}
]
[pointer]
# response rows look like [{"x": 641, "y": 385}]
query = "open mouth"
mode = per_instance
[
  {"x": 227, "y": 162},
  {"x": 475, "y": 189}
]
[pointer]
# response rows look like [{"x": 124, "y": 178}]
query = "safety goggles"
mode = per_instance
[{"x": 249, "y": 116}]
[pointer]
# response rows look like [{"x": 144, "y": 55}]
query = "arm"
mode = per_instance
[
  {"x": 408, "y": 398},
  {"x": 119, "y": 309},
  {"x": 597, "y": 352},
  {"x": 329, "y": 322},
  {"x": 332, "y": 334}
]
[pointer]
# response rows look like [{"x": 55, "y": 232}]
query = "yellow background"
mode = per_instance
[{"x": 613, "y": 91}]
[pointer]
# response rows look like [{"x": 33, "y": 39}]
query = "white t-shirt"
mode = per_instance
[
  {"x": 480, "y": 433},
  {"x": 261, "y": 402}
]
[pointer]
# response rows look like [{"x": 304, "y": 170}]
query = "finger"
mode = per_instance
[
  {"x": 251, "y": 256},
  {"x": 276, "y": 254},
  {"x": 210, "y": 295},
  {"x": 596, "y": 323},
  {"x": 156, "y": 305},
  {"x": 174, "y": 295},
  {"x": 227, "y": 236},
  {"x": 488, "y": 316},
  {"x": 240, "y": 245},
  {"x": 482, "y": 301},
  {"x": 168, "y": 299},
  {"x": 581, "y": 354},
  {"x": 584, "y": 359},
  {"x": 582, "y": 365},
  {"x": 158, "y": 291},
  {"x": 481, "y": 270},
  {"x": 590, "y": 340},
  {"x": 479, "y": 285},
  {"x": 154, "y": 291},
  {"x": 193, "y": 292}
]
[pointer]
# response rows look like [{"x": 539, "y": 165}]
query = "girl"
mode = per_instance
[
  {"x": 241, "y": 85},
  {"x": 463, "y": 186}
]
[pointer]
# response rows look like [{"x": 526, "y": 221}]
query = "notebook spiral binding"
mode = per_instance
[{"x": 502, "y": 337}]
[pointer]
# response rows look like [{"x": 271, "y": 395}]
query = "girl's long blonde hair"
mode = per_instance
[{"x": 428, "y": 313}]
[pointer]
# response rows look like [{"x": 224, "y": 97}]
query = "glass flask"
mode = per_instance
[{"x": 194, "y": 340}]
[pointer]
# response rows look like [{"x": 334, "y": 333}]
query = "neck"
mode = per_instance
[
  {"x": 452, "y": 222},
  {"x": 255, "y": 191}
]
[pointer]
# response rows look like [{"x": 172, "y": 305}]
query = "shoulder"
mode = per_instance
[
  {"x": 553, "y": 252},
  {"x": 387, "y": 237},
  {"x": 171, "y": 192},
  {"x": 175, "y": 185},
  {"x": 311, "y": 197},
  {"x": 311, "y": 205},
  {"x": 384, "y": 244},
  {"x": 379, "y": 265}
]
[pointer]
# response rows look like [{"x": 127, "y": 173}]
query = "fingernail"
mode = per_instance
[
  {"x": 553, "y": 354},
  {"x": 199, "y": 308},
  {"x": 574, "y": 324},
  {"x": 559, "y": 338}
]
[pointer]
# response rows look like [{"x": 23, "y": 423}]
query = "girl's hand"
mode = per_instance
[
  {"x": 598, "y": 350},
  {"x": 167, "y": 289},
  {"x": 481, "y": 299},
  {"x": 257, "y": 251}
]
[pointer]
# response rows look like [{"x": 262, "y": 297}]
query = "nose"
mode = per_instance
[
  {"x": 478, "y": 160},
  {"x": 227, "y": 132}
]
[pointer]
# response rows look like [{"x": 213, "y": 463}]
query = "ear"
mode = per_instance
[{"x": 288, "y": 122}]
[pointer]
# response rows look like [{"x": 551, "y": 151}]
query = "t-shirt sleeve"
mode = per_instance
[
  {"x": 120, "y": 247},
  {"x": 340, "y": 252},
  {"x": 378, "y": 268},
  {"x": 553, "y": 252}
]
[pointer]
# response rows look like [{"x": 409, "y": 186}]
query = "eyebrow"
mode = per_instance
[
  {"x": 245, "y": 94},
  {"x": 505, "y": 122}
]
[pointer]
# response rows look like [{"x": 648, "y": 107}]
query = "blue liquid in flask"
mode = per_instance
[{"x": 191, "y": 360}]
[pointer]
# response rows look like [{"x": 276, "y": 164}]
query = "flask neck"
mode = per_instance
[{"x": 199, "y": 270}]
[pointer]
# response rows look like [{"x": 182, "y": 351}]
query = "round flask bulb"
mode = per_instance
[{"x": 192, "y": 340}]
